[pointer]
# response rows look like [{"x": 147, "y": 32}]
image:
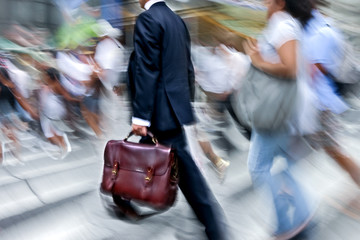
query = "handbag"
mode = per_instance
[
  {"x": 264, "y": 102},
  {"x": 145, "y": 173}
]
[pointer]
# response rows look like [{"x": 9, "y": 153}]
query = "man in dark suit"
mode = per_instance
[{"x": 161, "y": 84}]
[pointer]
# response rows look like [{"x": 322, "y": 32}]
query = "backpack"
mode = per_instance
[
  {"x": 349, "y": 69},
  {"x": 347, "y": 76}
]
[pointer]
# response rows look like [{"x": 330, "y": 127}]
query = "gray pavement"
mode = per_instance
[{"x": 47, "y": 199}]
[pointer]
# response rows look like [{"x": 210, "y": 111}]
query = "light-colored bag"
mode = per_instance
[
  {"x": 348, "y": 70},
  {"x": 265, "y": 102}
]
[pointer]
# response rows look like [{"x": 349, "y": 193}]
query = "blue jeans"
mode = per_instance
[{"x": 286, "y": 193}]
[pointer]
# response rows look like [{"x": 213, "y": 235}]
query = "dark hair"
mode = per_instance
[
  {"x": 53, "y": 74},
  {"x": 52, "y": 53},
  {"x": 300, "y": 9},
  {"x": 6, "y": 93},
  {"x": 4, "y": 73}
]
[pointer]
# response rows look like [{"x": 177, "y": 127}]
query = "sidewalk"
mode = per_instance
[{"x": 76, "y": 212}]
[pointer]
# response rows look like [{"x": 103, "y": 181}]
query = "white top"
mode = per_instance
[
  {"x": 150, "y": 3},
  {"x": 20, "y": 78},
  {"x": 109, "y": 55},
  {"x": 52, "y": 105},
  {"x": 73, "y": 73},
  {"x": 74, "y": 87},
  {"x": 281, "y": 28},
  {"x": 219, "y": 70},
  {"x": 73, "y": 67}
]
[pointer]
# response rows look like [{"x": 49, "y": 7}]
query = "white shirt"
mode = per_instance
[
  {"x": 73, "y": 67},
  {"x": 150, "y": 3},
  {"x": 21, "y": 79},
  {"x": 219, "y": 70},
  {"x": 109, "y": 55},
  {"x": 281, "y": 28}
]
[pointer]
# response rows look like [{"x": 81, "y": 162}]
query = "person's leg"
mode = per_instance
[
  {"x": 212, "y": 115},
  {"x": 330, "y": 145},
  {"x": 208, "y": 151},
  {"x": 297, "y": 198},
  {"x": 220, "y": 164},
  {"x": 92, "y": 119},
  {"x": 197, "y": 192},
  {"x": 50, "y": 132},
  {"x": 11, "y": 135},
  {"x": 291, "y": 192},
  {"x": 56, "y": 141},
  {"x": 345, "y": 162},
  {"x": 245, "y": 130},
  {"x": 264, "y": 147}
]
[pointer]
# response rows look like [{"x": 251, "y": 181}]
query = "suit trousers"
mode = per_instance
[{"x": 194, "y": 187}]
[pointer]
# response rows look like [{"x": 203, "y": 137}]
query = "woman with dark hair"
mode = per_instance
[{"x": 277, "y": 52}]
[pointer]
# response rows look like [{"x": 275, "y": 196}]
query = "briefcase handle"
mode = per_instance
[{"x": 153, "y": 138}]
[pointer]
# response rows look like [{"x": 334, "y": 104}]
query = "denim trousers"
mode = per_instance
[{"x": 289, "y": 202}]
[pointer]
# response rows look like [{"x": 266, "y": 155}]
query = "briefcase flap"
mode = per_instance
[{"x": 138, "y": 157}]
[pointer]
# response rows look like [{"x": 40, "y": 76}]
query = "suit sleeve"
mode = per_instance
[
  {"x": 147, "y": 40},
  {"x": 191, "y": 73}
]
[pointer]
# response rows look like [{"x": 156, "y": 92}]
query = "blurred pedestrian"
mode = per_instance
[
  {"x": 219, "y": 71},
  {"x": 9, "y": 95},
  {"x": 161, "y": 78},
  {"x": 277, "y": 53},
  {"x": 109, "y": 55},
  {"x": 320, "y": 36},
  {"x": 90, "y": 106},
  {"x": 52, "y": 110},
  {"x": 79, "y": 77}
]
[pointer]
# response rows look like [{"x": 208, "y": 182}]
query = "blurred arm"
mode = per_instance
[
  {"x": 147, "y": 68},
  {"x": 287, "y": 67}
]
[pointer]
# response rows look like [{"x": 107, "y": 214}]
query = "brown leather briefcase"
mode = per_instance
[{"x": 145, "y": 173}]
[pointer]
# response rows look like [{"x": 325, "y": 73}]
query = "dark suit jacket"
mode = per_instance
[{"x": 160, "y": 73}]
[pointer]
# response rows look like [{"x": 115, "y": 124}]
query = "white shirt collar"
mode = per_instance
[{"x": 150, "y": 3}]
